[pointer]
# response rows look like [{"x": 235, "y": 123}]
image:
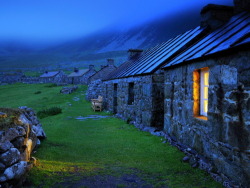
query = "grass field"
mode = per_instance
[{"x": 76, "y": 150}]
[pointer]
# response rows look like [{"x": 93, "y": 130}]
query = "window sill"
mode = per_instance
[{"x": 201, "y": 117}]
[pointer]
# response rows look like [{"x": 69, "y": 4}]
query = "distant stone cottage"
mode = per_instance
[
  {"x": 81, "y": 76},
  {"x": 104, "y": 71},
  {"x": 11, "y": 77},
  {"x": 52, "y": 77}
]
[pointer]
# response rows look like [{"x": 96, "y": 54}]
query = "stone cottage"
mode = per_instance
[
  {"x": 104, "y": 71},
  {"x": 207, "y": 95},
  {"x": 11, "y": 77},
  {"x": 52, "y": 77},
  {"x": 81, "y": 76},
  {"x": 135, "y": 90}
]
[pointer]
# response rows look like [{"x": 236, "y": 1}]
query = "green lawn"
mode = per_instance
[{"x": 76, "y": 149}]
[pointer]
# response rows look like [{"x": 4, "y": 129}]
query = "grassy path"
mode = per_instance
[{"x": 103, "y": 152}]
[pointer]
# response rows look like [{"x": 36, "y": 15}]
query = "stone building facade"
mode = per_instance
[
  {"x": 104, "y": 71},
  {"x": 134, "y": 91},
  {"x": 207, "y": 99},
  {"x": 52, "y": 77},
  {"x": 81, "y": 76},
  {"x": 138, "y": 100}
]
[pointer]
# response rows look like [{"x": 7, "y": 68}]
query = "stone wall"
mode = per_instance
[
  {"x": 147, "y": 107},
  {"x": 20, "y": 132},
  {"x": 224, "y": 138},
  {"x": 95, "y": 89}
]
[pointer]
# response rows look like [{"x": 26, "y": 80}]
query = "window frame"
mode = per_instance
[
  {"x": 198, "y": 92},
  {"x": 204, "y": 91}
]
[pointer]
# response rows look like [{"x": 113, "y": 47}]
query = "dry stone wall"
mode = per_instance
[
  {"x": 17, "y": 141},
  {"x": 224, "y": 138}
]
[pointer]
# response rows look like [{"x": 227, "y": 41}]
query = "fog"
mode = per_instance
[{"x": 52, "y": 21}]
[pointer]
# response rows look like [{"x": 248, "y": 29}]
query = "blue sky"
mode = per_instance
[{"x": 45, "y": 20}]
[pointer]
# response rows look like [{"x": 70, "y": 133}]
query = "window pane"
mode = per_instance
[
  {"x": 206, "y": 78},
  {"x": 205, "y": 106},
  {"x": 205, "y": 92}
]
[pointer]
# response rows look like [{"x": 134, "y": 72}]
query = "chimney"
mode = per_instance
[
  {"x": 213, "y": 16},
  {"x": 91, "y": 67},
  {"x": 110, "y": 62},
  {"x": 241, "y": 6},
  {"x": 134, "y": 54},
  {"x": 46, "y": 72},
  {"x": 76, "y": 69}
]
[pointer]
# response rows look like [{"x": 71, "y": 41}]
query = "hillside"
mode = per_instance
[{"x": 95, "y": 48}]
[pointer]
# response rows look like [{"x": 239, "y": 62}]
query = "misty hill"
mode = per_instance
[{"x": 97, "y": 47}]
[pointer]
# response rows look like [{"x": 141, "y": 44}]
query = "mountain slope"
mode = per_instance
[{"x": 95, "y": 48}]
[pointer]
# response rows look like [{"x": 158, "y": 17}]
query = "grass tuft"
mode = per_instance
[{"x": 49, "y": 112}]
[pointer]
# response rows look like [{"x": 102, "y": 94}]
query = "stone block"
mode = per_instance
[
  {"x": 4, "y": 146},
  {"x": 16, "y": 171},
  {"x": 11, "y": 134},
  {"x": 10, "y": 157}
]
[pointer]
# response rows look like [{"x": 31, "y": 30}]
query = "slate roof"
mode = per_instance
[
  {"x": 78, "y": 73},
  {"x": 152, "y": 59},
  {"x": 49, "y": 74},
  {"x": 234, "y": 33}
]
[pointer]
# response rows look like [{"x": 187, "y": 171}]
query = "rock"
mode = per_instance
[
  {"x": 185, "y": 159},
  {"x": 10, "y": 157},
  {"x": 16, "y": 171},
  {"x": 22, "y": 118},
  {"x": 19, "y": 143},
  {"x": 3, "y": 179},
  {"x": 68, "y": 90},
  {"x": 149, "y": 129},
  {"x": 2, "y": 167},
  {"x": 11, "y": 134},
  {"x": 38, "y": 142},
  {"x": 38, "y": 130},
  {"x": 4, "y": 146},
  {"x": 21, "y": 131},
  {"x": 2, "y": 133},
  {"x": 157, "y": 133}
]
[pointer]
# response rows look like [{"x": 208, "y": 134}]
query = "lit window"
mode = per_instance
[
  {"x": 200, "y": 92},
  {"x": 204, "y": 84}
]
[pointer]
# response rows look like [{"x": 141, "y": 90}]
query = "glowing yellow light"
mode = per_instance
[
  {"x": 206, "y": 78},
  {"x": 205, "y": 106},
  {"x": 205, "y": 92}
]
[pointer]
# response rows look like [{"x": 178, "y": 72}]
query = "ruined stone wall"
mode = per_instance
[
  {"x": 225, "y": 137},
  {"x": 147, "y": 104},
  {"x": 19, "y": 136}
]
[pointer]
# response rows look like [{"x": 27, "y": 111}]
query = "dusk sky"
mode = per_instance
[{"x": 44, "y": 20}]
